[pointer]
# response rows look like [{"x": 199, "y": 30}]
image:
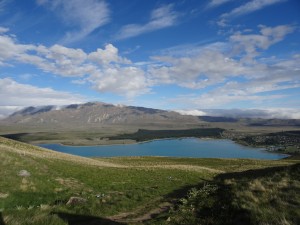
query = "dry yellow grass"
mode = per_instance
[
  {"x": 38, "y": 152},
  {"x": 24, "y": 150}
]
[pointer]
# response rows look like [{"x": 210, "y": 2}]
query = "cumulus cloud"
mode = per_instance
[
  {"x": 16, "y": 95},
  {"x": 104, "y": 69},
  {"x": 251, "y": 43},
  {"x": 217, "y": 69},
  {"x": 127, "y": 81},
  {"x": 81, "y": 16},
  {"x": 207, "y": 68},
  {"x": 260, "y": 87},
  {"x": 108, "y": 55},
  {"x": 162, "y": 17},
  {"x": 257, "y": 90},
  {"x": 231, "y": 72},
  {"x": 3, "y": 30}
]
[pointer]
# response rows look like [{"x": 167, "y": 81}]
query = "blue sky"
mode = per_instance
[{"x": 178, "y": 55}]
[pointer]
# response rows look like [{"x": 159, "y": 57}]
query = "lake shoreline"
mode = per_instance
[
  {"x": 159, "y": 147},
  {"x": 132, "y": 142}
]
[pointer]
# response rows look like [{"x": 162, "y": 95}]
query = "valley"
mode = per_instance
[
  {"x": 40, "y": 186},
  {"x": 97, "y": 123}
]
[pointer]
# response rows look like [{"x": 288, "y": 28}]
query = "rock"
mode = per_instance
[
  {"x": 24, "y": 173},
  {"x": 76, "y": 201},
  {"x": 4, "y": 195}
]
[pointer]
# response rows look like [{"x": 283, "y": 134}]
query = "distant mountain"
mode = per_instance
[
  {"x": 93, "y": 114},
  {"x": 251, "y": 121},
  {"x": 98, "y": 115},
  {"x": 272, "y": 122},
  {"x": 218, "y": 119}
]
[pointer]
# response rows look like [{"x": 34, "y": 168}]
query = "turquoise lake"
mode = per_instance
[{"x": 185, "y": 147}]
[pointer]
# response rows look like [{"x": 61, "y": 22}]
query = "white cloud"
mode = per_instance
[
  {"x": 218, "y": 68},
  {"x": 259, "y": 87},
  {"x": 9, "y": 49},
  {"x": 222, "y": 100},
  {"x": 207, "y": 68},
  {"x": 200, "y": 67},
  {"x": 216, "y": 3},
  {"x": 193, "y": 49},
  {"x": 127, "y": 81},
  {"x": 193, "y": 112},
  {"x": 250, "y": 43},
  {"x": 249, "y": 7},
  {"x": 105, "y": 69},
  {"x": 3, "y": 4},
  {"x": 214, "y": 66},
  {"x": 15, "y": 95},
  {"x": 161, "y": 17},
  {"x": 280, "y": 113},
  {"x": 84, "y": 16},
  {"x": 3, "y": 30},
  {"x": 8, "y": 110},
  {"x": 284, "y": 113},
  {"x": 107, "y": 55}
]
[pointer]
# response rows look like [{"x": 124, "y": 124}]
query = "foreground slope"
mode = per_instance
[{"x": 40, "y": 186}]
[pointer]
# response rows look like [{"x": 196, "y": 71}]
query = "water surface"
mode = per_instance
[{"x": 185, "y": 147}]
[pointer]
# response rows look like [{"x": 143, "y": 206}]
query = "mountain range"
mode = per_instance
[
  {"x": 93, "y": 114},
  {"x": 98, "y": 114}
]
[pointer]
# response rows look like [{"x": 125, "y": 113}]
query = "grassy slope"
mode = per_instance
[
  {"x": 110, "y": 186},
  {"x": 263, "y": 197}
]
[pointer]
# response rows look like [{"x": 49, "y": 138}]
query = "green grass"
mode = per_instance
[
  {"x": 108, "y": 190},
  {"x": 110, "y": 186},
  {"x": 263, "y": 196}
]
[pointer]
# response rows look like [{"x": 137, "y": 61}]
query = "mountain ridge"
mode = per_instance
[{"x": 96, "y": 113}]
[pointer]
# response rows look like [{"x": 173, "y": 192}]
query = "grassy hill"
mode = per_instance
[{"x": 40, "y": 186}]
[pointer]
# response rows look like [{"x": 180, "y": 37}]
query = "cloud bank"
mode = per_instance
[
  {"x": 15, "y": 96},
  {"x": 272, "y": 113}
]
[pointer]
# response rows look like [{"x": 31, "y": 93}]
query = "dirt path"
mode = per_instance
[
  {"x": 137, "y": 217},
  {"x": 184, "y": 167}
]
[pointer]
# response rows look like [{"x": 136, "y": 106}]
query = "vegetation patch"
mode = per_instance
[
  {"x": 145, "y": 135},
  {"x": 284, "y": 142},
  {"x": 265, "y": 196}
]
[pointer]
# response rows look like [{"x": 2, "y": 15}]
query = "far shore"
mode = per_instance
[
  {"x": 82, "y": 143},
  {"x": 107, "y": 142}
]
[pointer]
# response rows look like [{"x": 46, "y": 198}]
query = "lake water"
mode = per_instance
[{"x": 185, "y": 147}]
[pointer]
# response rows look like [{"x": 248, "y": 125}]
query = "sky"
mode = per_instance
[{"x": 185, "y": 55}]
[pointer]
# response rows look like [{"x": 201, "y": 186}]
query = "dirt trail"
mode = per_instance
[
  {"x": 136, "y": 217},
  {"x": 186, "y": 167}
]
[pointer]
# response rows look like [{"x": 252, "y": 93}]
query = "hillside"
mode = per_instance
[
  {"x": 45, "y": 187},
  {"x": 95, "y": 114}
]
